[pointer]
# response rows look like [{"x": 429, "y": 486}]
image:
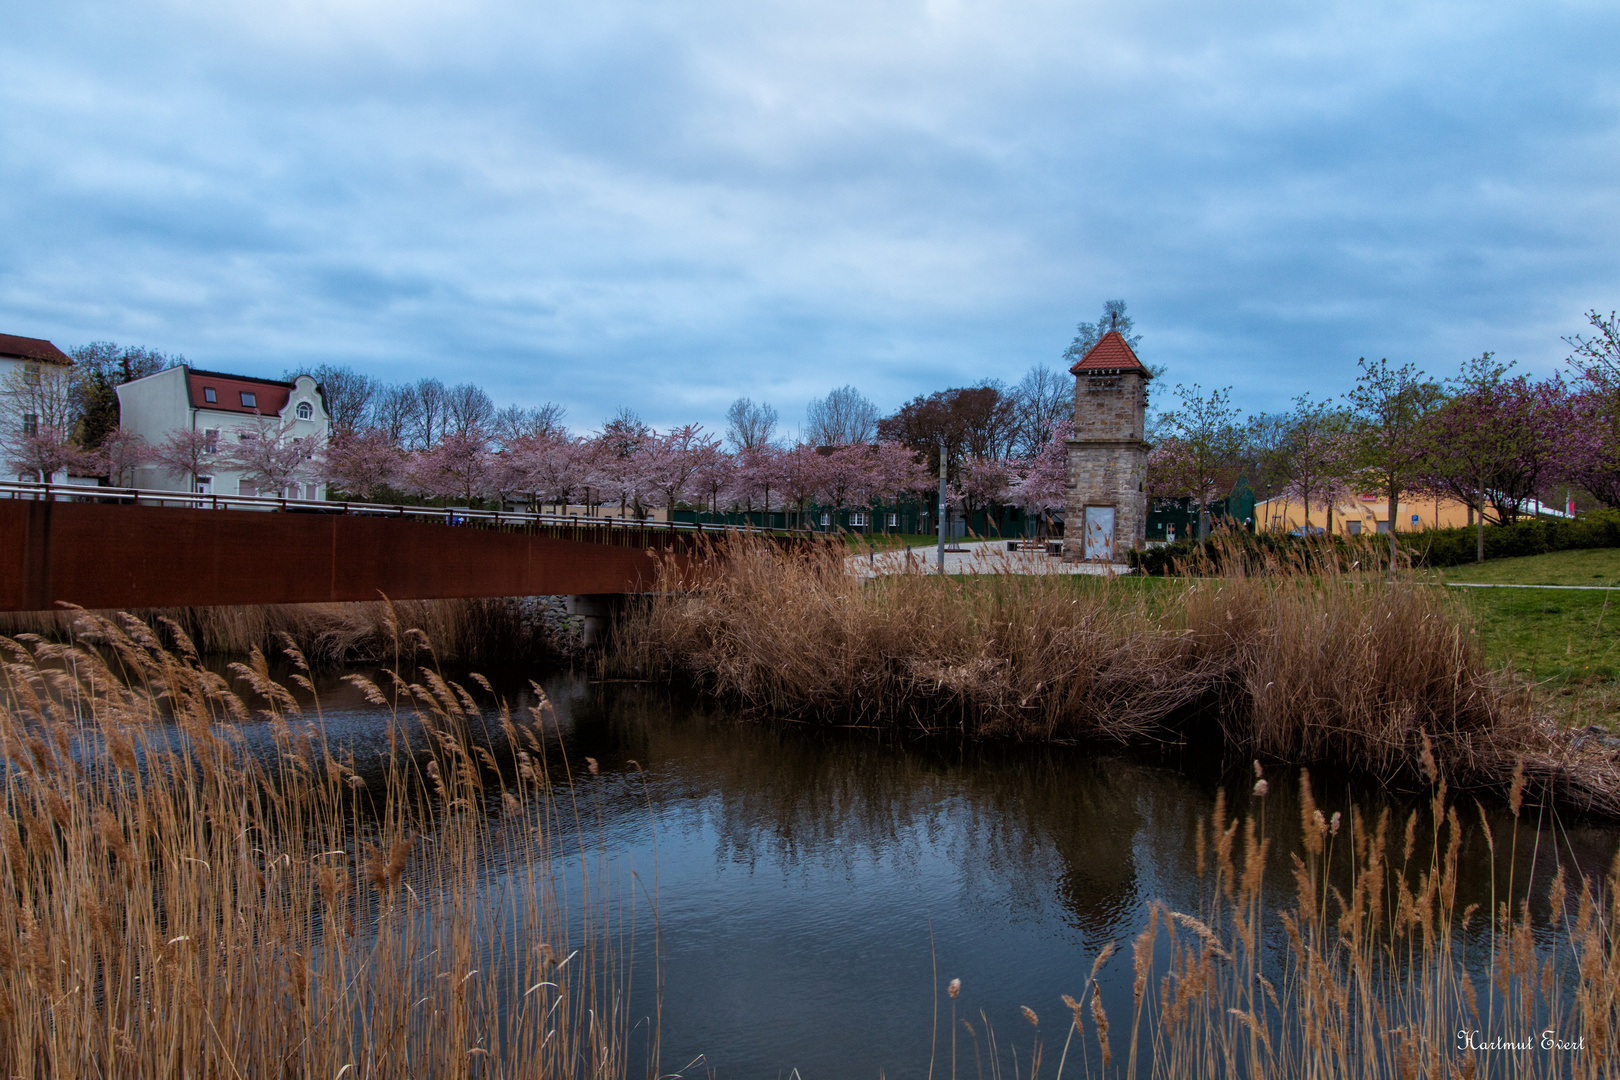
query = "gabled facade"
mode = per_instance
[
  {"x": 229, "y": 410},
  {"x": 33, "y": 377},
  {"x": 1106, "y": 515}
]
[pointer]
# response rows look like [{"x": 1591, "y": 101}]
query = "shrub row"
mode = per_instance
[{"x": 1433, "y": 548}]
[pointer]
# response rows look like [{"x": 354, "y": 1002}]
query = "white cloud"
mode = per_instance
[{"x": 666, "y": 205}]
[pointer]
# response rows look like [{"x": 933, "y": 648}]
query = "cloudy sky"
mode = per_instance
[{"x": 669, "y": 204}]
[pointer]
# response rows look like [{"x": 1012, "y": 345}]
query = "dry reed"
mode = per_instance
[
  {"x": 1337, "y": 666},
  {"x": 1372, "y": 968},
  {"x": 483, "y": 632},
  {"x": 180, "y": 907}
]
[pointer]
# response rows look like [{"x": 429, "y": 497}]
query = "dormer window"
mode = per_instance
[
  {"x": 249, "y": 401},
  {"x": 210, "y": 396},
  {"x": 305, "y": 410}
]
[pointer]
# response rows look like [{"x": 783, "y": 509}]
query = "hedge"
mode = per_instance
[{"x": 1433, "y": 548}]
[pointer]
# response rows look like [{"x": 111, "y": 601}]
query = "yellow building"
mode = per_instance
[{"x": 1356, "y": 514}]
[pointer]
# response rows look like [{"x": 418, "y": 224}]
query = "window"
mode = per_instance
[
  {"x": 1355, "y": 528},
  {"x": 826, "y": 520},
  {"x": 211, "y": 440},
  {"x": 205, "y": 485},
  {"x": 210, "y": 396},
  {"x": 246, "y": 488},
  {"x": 894, "y": 521},
  {"x": 30, "y": 424},
  {"x": 246, "y": 436},
  {"x": 859, "y": 518},
  {"x": 305, "y": 410},
  {"x": 249, "y": 401},
  {"x": 1383, "y": 527}
]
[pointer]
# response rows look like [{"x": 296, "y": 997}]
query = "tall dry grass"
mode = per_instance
[
  {"x": 177, "y": 906},
  {"x": 1337, "y": 666},
  {"x": 468, "y": 632},
  {"x": 1381, "y": 973}
]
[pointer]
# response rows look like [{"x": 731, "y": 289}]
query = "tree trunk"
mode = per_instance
[{"x": 1394, "y": 508}]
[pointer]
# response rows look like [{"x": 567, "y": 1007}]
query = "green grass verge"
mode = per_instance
[
  {"x": 1566, "y": 642},
  {"x": 1594, "y": 566}
]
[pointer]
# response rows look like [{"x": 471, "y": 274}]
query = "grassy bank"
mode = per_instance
[
  {"x": 1565, "y": 644},
  {"x": 1343, "y": 668},
  {"x": 467, "y": 633},
  {"x": 178, "y": 907}
]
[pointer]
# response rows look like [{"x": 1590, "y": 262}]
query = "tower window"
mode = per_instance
[
  {"x": 305, "y": 411},
  {"x": 249, "y": 401},
  {"x": 210, "y": 396}
]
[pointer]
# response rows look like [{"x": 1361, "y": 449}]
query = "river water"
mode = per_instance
[{"x": 815, "y": 888}]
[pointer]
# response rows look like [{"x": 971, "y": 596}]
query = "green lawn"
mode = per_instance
[
  {"x": 1568, "y": 638},
  {"x": 1594, "y": 566}
]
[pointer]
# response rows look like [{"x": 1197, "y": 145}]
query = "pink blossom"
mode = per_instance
[{"x": 363, "y": 463}]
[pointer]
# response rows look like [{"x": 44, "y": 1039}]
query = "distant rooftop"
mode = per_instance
[
  {"x": 29, "y": 348},
  {"x": 236, "y": 393}
]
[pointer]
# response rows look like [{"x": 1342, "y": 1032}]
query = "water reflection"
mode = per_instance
[{"x": 809, "y": 882}]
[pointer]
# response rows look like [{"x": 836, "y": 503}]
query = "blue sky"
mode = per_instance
[{"x": 668, "y": 205}]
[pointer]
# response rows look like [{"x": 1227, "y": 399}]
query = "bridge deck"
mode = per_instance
[{"x": 103, "y": 555}]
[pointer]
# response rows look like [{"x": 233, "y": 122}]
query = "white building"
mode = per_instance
[
  {"x": 30, "y": 369},
  {"x": 228, "y": 410}
]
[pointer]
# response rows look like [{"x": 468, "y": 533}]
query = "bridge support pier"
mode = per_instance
[{"x": 597, "y": 611}]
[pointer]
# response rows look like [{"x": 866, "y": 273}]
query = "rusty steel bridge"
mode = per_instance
[{"x": 111, "y": 548}]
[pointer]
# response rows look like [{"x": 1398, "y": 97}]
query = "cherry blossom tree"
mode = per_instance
[
  {"x": 121, "y": 452},
  {"x": 1197, "y": 455},
  {"x": 986, "y": 484},
  {"x": 673, "y": 460},
  {"x": 755, "y": 474},
  {"x": 365, "y": 463},
  {"x": 187, "y": 452},
  {"x": 1393, "y": 406},
  {"x": 43, "y": 407},
  {"x": 46, "y": 452},
  {"x": 1043, "y": 485},
  {"x": 271, "y": 457},
  {"x": 891, "y": 470},
  {"x": 714, "y": 478},
  {"x": 459, "y": 465},
  {"x": 1496, "y": 439},
  {"x": 843, "y": 474},
  {"x": 552, "y": 467},
  {"x": 801, "y": 477},
  {"x": 1591, "y": 453},
  {"x": 1314, "y": 455},
  {"x": 1591, "y": 421}
]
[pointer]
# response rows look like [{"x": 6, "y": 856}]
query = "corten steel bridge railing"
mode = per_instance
[
  {"x": 554, "y": 524},
  {"x": 107, "y": 548}
]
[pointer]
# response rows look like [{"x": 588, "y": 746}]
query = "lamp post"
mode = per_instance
[{"x": 942, "y": 507}]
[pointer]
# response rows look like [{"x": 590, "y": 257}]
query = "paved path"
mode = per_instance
[
  {"x": 980, "y": 557},
  {"x": 1502, "y": 585}
]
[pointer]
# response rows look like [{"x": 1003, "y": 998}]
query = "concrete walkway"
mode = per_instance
[
  {"x": 978, "y": 557},
  {"x": 1505, "y": 585}
]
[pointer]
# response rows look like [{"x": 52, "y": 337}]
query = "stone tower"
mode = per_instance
[{"x": 1107, "y": 505}]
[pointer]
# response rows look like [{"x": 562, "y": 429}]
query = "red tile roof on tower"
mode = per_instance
[
  {"x": 32, "y": 348},
  {"x": 1112, "y": 353}
]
